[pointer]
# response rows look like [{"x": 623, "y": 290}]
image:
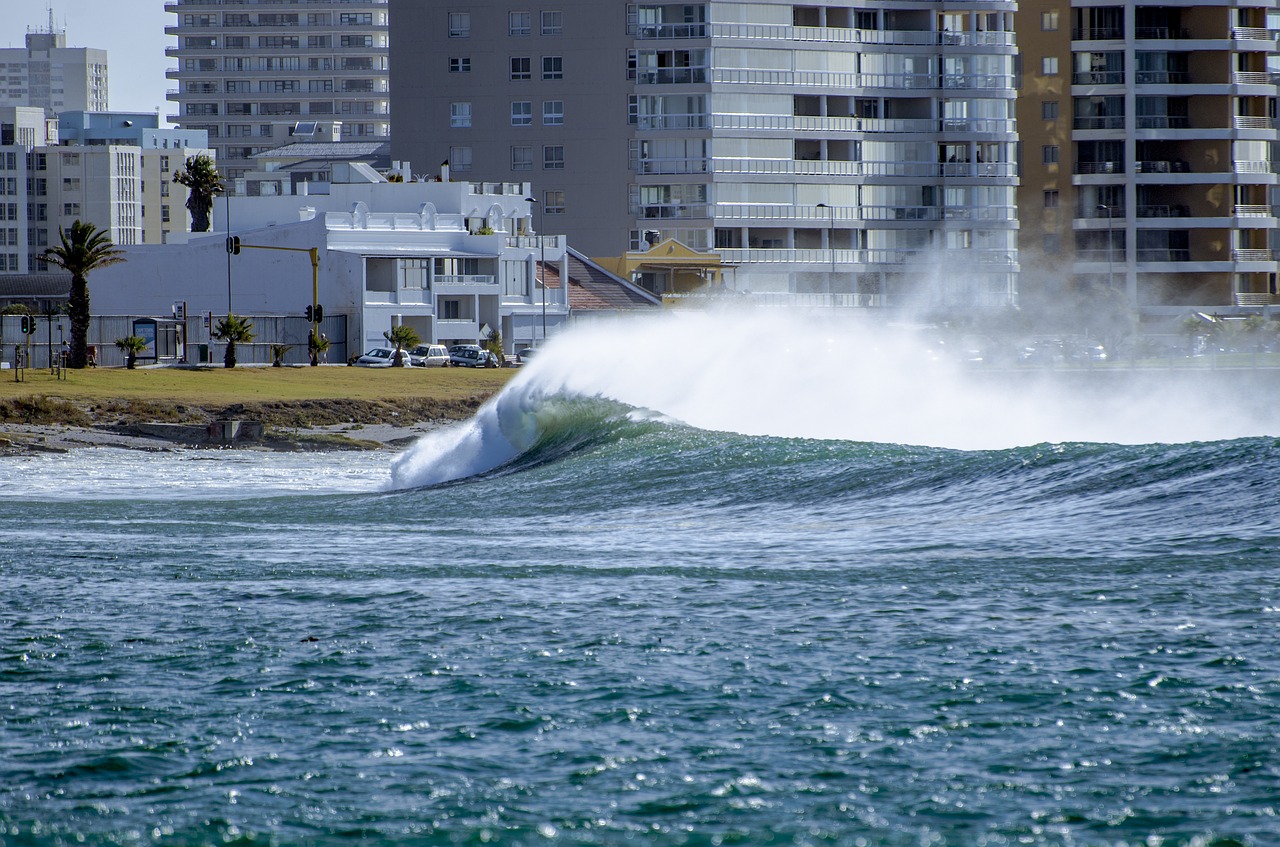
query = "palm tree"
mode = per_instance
[
  {"x": 84, "y": 248},
  {"x": 203, "y": 182},
  {"x": 234, "y": 331},
  {"x": 401, "y": 336},
  {"x": 131, "y": 345}
]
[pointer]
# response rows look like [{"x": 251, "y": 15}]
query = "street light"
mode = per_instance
[
  {"x": 1111, "y": 238},
  {"x": 831, "y": 247},
  {"x": 542, "y": 265}
]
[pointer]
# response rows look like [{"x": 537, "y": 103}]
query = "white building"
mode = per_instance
[
  {"x": 49, "y": 74},
  {"x": 453, "y": 260},
  {"x": 247, "y": 66},
  {"x": 162, "y": 215},
  {"x": 825, "y": 149}
]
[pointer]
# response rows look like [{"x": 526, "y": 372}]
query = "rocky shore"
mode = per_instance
[{"x": 311, "y": 425}]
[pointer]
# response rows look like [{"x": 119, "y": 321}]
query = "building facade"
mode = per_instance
[
  {"x": 452, "y": 260},
  {"x": 1150, "y": 150},
  {"x": 837, "y": 151},
  {"x": 162, "y": 214},
  {"x": 245, "y": 67},
  {"x": 49, "y": 74},
  {"x": 99, "y": 172}
]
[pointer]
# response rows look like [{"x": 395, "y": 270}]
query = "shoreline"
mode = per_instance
[{"x": 23, "y": 439}]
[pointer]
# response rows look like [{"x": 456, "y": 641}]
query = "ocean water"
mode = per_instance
[{"x": 673, "y": 586}]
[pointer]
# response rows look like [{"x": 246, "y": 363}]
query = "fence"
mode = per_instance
[{"x": 199, "y": 347}]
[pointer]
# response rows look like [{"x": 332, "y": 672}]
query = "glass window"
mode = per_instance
[
  {"x": 553, "y": 158},
  {"x": 459, "y": 115},
  {"x": 1049, "y": 110},
  {"x": 459, "y": 159},
  {"x": 1049, "y": 21},
  {"x": 552, "y": 67},
  {"x": 1051, "y": 199},
  {"x": 552, "y": 112},
  {"x": 459, "y": 24},
  {"x": 1049, "y": 66},
  {"x": 521, "y": 67},
  {"x": 1049, "y": 154},
  {"x": 553, "y": 202},
  {"x": 460, "y": 65},
  {"x": 553, "y": 23},
  {"x": 521, "y": 113},
  {"x": 521, "y": 158},
  {"x": 520, "y": 23}
]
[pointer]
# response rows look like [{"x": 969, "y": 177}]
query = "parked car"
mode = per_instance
[
  {"x": 472, "y": 356},
  {"x": 525, "y": 355},
  {"x": 382, "y": 357},
  {"x": 430, "y": 356}
]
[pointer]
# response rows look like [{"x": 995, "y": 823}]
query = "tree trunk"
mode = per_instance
[
  {"x": 229, "y": 360},
  {"x": 78, "y": 311}
]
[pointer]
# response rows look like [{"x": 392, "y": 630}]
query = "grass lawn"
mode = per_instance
[{"x": 214, "y": 386}]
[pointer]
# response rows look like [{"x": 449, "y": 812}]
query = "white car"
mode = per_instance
[
  {"x": 382, "y": 357},
  {"x": 430, "y": 356}
]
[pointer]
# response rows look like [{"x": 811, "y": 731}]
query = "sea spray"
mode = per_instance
[{"x": 818, "y": 375}]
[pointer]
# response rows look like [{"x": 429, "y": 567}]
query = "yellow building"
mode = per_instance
[
  {"x": 1149, "y": 151},
  {"x": 670, "y": 270}
]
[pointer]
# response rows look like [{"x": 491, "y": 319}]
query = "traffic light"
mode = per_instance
[
  {"x": 28, "y": 325},
  {"x": 319, "y": 313},
  {"x": 233, "y": 245},
  {"x": 309, "y": 315}
]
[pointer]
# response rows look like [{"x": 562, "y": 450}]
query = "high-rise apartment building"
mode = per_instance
[
  {"x": 49, "y": 74},
  {"x": 243, "y": 67},
  {"x": 1150, "y": 150},
  {"x": 825, "y": 149}
]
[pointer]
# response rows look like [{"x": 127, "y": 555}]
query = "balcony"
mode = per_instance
[
  {"x": 673, "y": 31},
  {"x": 1253, "y": 122},
  {"x": 1098, "y": 78},
  {"x": 1163, "y": 78},
  {"x": 1098, "y": 33},
  {"x": 1163, "y": 122},
  {"x": 1108, "y": 122},
  {"x": 1099, "y": 167},
  {"x": 1164, "y": 211},
  {"x": 1164, "y": 254},
  {"x": 1177, "y": 166},
  {"x": 1161, "y": 33},
  {"x": 671, "y": 76}
]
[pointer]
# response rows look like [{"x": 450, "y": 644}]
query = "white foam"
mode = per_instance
[{"x": 783, "y": 373}]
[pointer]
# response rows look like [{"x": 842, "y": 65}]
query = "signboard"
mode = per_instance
[{"x": 146, "y": 330}]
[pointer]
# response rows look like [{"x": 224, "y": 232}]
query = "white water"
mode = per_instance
[{"x": 812, "y": 376}]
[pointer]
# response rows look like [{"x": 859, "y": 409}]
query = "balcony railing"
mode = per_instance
[
  {"x": 1253, "y": 122},
  {"x": 1163, "y": 122},
  {"x": 1109, "y": 122},
  {"x": 464, "y": 280},
  {"x": 1098, "y": 78},
  {"x": 1253, "y": 33},
  {"x": 1097, "y": 33},
  {"x": 1164, "y": 211},
  {"x": 840, "y": 123},
  {"x": 1253, "y": 167},
  {"x": 1161, "y": 33},
  {"x": 1162, "y": 77},
  {"x": 842, "y": 35},
  {"x": 671, "y": 76},
  {"x": 1253, "y": 78},
  {"x": 647, "y": 32},
  {"x": 1100, "y": 167},
  {"x": 1253, "y": 255},
  {"x": 1243, "y": 210},
  {"x": 1163, "y": 254},
  {"x": 670, "y": 166},
  {"x": 1177, "y": 166}
]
